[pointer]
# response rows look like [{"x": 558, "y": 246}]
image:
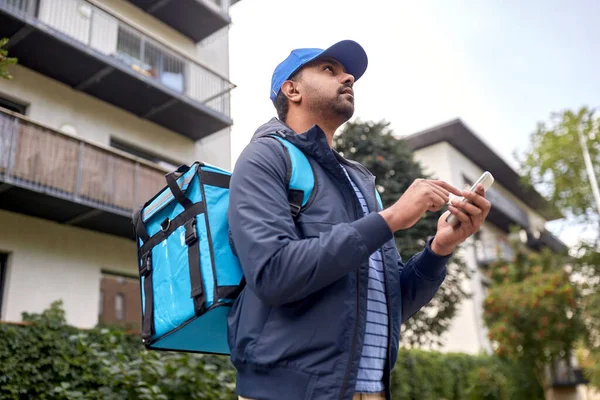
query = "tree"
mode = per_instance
[
  {"x": 532, "y": 309},
  {"x": 391, "y": 161},
  {"x": 554, "y": 161},
  {"x": 5, "y": 61},
  {"x": 555, "y": 165}
]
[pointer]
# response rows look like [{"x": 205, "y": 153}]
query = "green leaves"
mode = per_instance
[
  {"x": 555, "y": 165},
  {"x": 5, "y": 61},
  {"x": 108, "y": 364},
  {"x": 49, "y": 360},
  {"x": 428, "y": 375},
  {"x": 391, "y": 161},
  {"x": 532, "y": 310}
]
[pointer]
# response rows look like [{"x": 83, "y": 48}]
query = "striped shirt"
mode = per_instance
[{"x": 374, "y": 351}]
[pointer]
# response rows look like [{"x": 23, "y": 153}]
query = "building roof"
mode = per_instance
[{"x": 459, "y": 136}]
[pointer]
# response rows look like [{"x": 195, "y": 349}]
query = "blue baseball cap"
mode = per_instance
[{"x": 349, "y": 53}]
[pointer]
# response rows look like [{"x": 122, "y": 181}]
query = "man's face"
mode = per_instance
[{"x": 326, "y": 89}]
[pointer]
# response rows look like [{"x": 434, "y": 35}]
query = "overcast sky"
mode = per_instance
[{"x": 501, "y": 66}]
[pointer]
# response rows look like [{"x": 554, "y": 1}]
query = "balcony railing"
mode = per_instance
[
  {"x": 110, "y": 36},
  {"x": 41, "y": 159},
  {"x": 488, "y": 250}
]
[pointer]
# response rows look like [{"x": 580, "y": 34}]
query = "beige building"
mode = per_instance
[
  {"x": 453, "y": 153},
  {"x": 107, "y": 97}
]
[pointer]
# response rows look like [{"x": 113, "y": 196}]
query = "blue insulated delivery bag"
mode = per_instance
[{"x": 189, "y": 276}]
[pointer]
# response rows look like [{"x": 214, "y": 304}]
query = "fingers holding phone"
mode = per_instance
[
  {"x": 421, "y": 196},
  {"x": 472, "y": 203}
]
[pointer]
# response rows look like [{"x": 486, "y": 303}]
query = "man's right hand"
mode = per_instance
[{"x": 421, "y": 196}]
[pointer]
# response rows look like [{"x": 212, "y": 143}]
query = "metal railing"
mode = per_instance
[
  {"x": 48, "y": 161},
  {"x": 110, "y": 36},
  {"x": 489, "y": 250}
]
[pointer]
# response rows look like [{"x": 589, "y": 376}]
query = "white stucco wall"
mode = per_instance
[
  {"x": 54, "y": 104},
  {"x": 467, "y": 332},
  {"x": 216, "y": 149},
  {"x": 435, "y": 161},
  {"x": 149, "y": 25},
  {"x": 214, "y": 51},
  {"x": 48, "y": 261}
]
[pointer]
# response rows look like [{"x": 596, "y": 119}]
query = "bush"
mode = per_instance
[
  {"x": 47, "y": 359},
  {"x": 429, "y": 375}
]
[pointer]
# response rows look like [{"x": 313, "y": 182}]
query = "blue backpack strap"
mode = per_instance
[
  {"x": 378, "y": 198},
  {"x": 301, "y": 179}
]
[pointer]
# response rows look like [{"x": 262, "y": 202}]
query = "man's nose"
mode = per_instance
[{"x": 348, "y": 79}]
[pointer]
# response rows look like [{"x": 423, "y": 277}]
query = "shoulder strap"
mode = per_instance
[
  {"x": 301, "y": 179},
  {"x": 378, "y": 198}
]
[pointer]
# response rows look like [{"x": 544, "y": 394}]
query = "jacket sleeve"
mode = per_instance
[
  {"x": 420, "y": 279},
  {"x": 280, "y": 267}
]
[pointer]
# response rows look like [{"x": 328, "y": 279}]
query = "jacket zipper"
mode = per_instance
[
  {"x": 355, "y": 335},
  {"x": 389, "y": 338},
  {"x": 388, "y": 388}
]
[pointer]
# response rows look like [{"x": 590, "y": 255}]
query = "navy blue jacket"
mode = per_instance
[{"x": 296, "y": 331}]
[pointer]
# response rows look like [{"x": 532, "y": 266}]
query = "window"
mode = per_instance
[
  {"x": 13, "y": 106},
  {"x": 3, "y": 267},
  {"x": 120, "y": 300},
  {"x": 120, "y": 306},
  {"x": 129, "y": 44},
  {"x": 146, "y": 155},
  {"x": 164, "y": 67},
  {"x": 150, "y": 60}
]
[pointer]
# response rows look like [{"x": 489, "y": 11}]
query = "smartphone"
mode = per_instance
[{"x": 486, "y": 179}]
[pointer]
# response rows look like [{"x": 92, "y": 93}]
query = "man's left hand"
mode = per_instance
[{"x": 470, "y": 217}]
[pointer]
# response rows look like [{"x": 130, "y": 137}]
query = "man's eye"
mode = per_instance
[{"x": 328, "y": 67}]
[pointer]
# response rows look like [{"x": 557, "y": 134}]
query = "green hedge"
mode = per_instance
[
  {"x": 427, "y": 375},
  {"x": 47, "y": 359}
]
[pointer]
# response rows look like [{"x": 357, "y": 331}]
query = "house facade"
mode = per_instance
[
  {"x": 107, "y": 96},
  {"x": 454, "y": 153}
]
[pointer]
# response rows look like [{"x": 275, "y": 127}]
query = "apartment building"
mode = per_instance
[
  {"x": 454, "y": 153},
  {"x": 108, "y": 96}
]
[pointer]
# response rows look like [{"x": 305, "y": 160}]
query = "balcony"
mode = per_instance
[
  {"x": 93, "y": 51},
  {"x": 51, "y": 175},
  {"x": 492, "y": 248},
  {"x": 196, "y": 19},
  {"x": 564, "y": 374}
]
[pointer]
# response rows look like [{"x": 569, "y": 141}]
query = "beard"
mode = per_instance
[
  {"x": 340, "y": 107},
  {"x": 343, "y": 107}
]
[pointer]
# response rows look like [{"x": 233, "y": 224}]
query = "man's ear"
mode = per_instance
[{"x": 290, "y": 90}]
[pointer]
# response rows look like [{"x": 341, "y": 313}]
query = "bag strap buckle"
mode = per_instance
[
  {"x": 295, "y": 210},
  {"x": 147, "y": 265},
  {"x": 191, "y": 235}
]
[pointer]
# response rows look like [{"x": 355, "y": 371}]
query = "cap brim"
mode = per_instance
[{"x": 351, "y": 55}]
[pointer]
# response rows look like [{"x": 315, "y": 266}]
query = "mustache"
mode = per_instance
[{"x": 344, "y": 87}]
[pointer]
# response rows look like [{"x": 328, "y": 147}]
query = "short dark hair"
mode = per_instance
[{"x": 281, "y": 101}]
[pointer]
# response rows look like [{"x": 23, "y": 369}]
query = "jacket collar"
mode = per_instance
[{"x": 313, "y": 142}]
